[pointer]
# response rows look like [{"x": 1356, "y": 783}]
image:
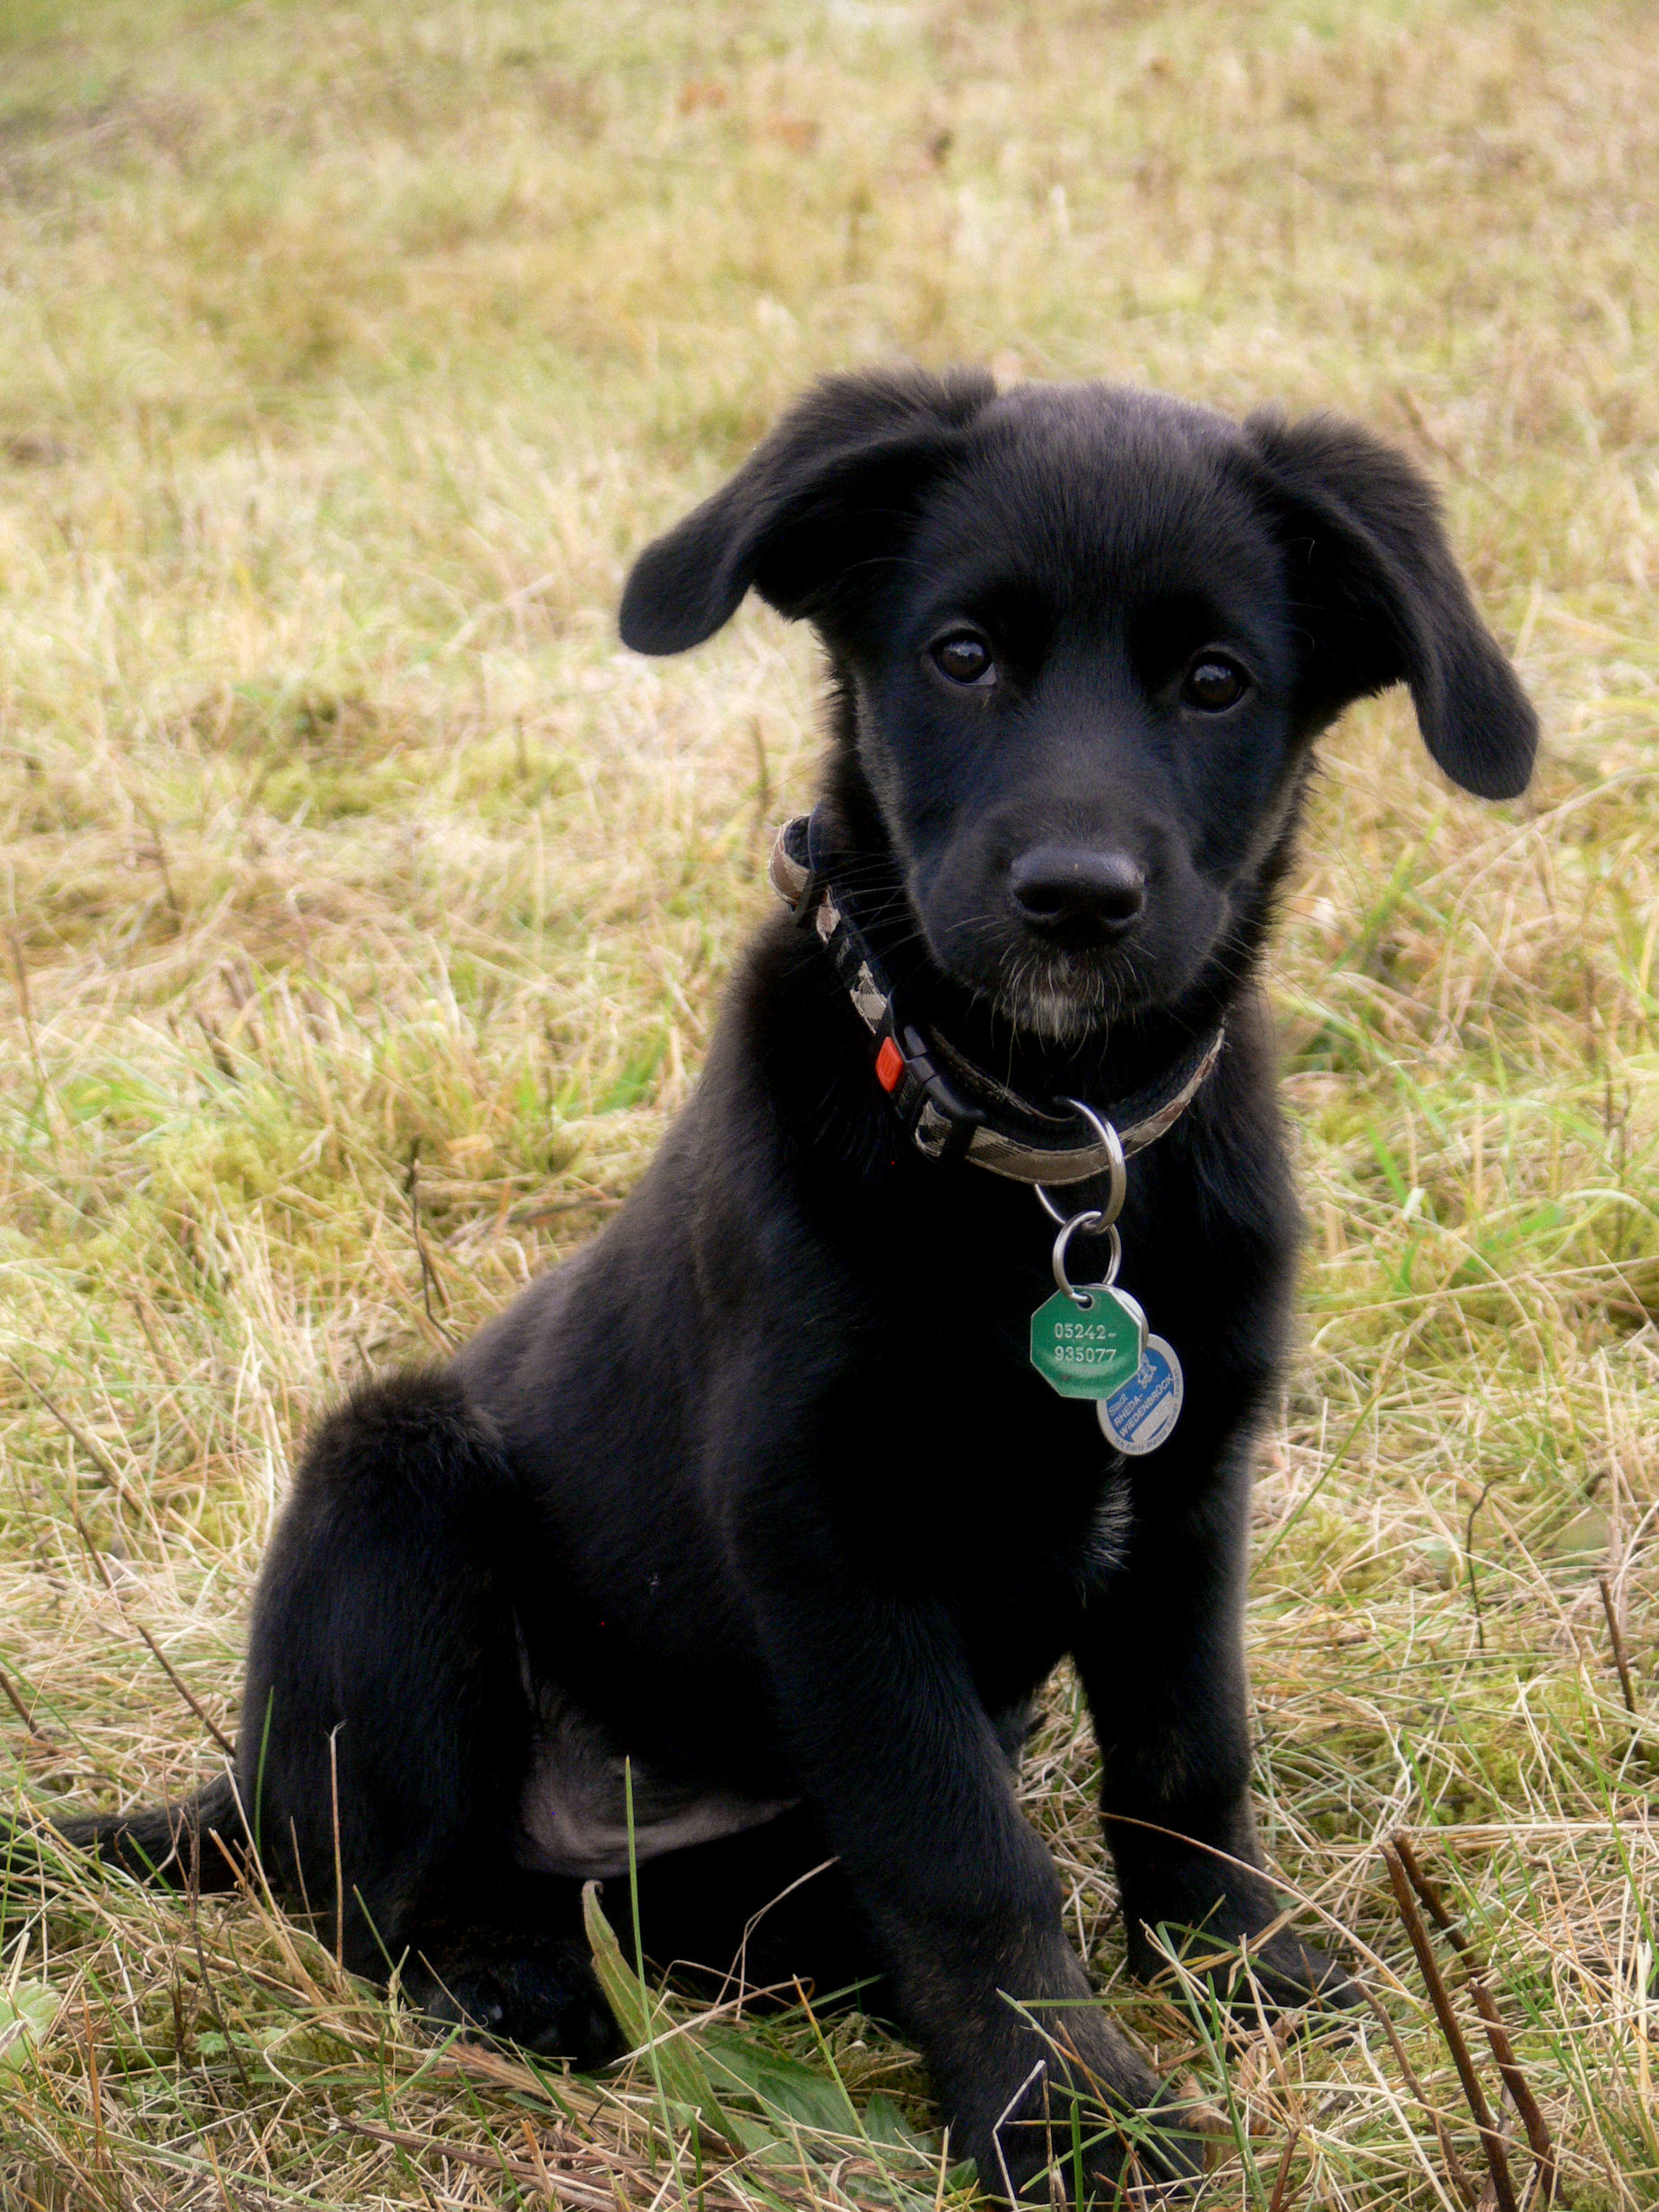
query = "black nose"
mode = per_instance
[{"x": 1073, "y": 896}]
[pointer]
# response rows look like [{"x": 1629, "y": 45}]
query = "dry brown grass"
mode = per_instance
[{"x": 346, "y": 353}]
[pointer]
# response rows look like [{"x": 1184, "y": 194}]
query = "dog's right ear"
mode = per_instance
[
  {"x": 1383, "y": 601},
  {"x": 837, "y": 481}
]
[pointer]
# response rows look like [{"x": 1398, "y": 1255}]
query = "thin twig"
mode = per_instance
[
  {"x": 585, "y": 2194},
  {"x": 156, "y": 1653},
  {"x": 94, "y": 1451},
  {"x": 411, "y": 1184},
  {"x": 8, "y": 1688},
  {"x": 1282, "y": 2180},
  {"x": 192, "y": 1896},
  {"x": 1491, "y": 2141},
  {"x": 207, "y": 2142},
  {"x": 531, "y": 2145},
  {"x": 1474, "y": 1594},
  {"x": 528, "y": 1216},
  {"x": 1039, "y": 2071},
  {"x": 429, "y": 1274},
  {"x": 1520, "y": 2092},
  {"x": 154, "y": 828},
  {"x": 106, "y": 1466},
  {"x": 1453, "y": 460},
  {"x": 1617, "y": 1634},
  {"x": 1456, "y": 2172},
  {"x": 100, "y": 2148}
]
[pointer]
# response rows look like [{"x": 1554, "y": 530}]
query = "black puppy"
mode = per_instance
[{"x": 761, "y": 1491}]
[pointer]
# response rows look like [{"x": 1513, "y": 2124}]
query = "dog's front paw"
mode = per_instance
[
  {"x": 1119, "y": 2158},
  {"x": 1285, "y": 1974},
  {"x": 543, "y": 1996},
  {"x": 1278, "y": 1975},
  {"x": 1096, "y": 2129},
  {"x": 1153, "y": 2156}
]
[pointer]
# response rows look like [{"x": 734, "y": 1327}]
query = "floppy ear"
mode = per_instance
[
  {"x": 1385, "y": 603},
  {"x": 838, "y": 477}
]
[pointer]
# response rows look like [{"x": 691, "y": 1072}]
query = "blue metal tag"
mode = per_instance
[{"x": 1141, "y": 1412}]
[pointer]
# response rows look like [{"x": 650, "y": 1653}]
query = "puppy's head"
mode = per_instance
[{"x": 1086, "y": 635}]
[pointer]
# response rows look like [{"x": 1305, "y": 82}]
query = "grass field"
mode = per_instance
[{"x": 347, "y": 352}]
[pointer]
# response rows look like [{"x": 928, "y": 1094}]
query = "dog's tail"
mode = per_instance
[{"x": 202, "y": 1844}]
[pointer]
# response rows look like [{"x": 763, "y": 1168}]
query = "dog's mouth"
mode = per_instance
[
  {"x": 1059, "y": 978},
  {"x": 1036, "y": 985},
  {"x": 1066, "y": 993},
  {"x": 1061, "y": 997}
]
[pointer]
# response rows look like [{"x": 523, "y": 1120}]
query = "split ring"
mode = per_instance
[
  {"x": 1111, "y": 1144},
  {"x": 1089, "y": 1223}
]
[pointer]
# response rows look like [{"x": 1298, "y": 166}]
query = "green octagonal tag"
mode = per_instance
[{"x": 1086, "y": 1351}]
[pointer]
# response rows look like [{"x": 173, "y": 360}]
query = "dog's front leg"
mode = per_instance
[
  {"x": 894, "y": 1749},
  {"x": 1161, "y": 1656}
]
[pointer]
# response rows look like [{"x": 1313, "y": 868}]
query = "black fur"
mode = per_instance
[{"x": 760, "y": 1489}]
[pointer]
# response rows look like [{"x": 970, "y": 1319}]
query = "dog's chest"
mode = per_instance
[
  {"x": 574, "y": 1811},
  {"x": 1018, "y": 1606}
]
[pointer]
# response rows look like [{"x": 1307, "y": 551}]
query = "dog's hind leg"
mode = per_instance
[
  {"x": 388, "y": 1723},
  {"x": 198, "y": 1845}
]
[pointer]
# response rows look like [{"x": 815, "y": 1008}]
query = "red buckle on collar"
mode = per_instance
[{"x": 890, "y": 1065}]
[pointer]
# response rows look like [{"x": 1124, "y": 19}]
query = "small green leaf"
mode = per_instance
[
  {"x": 619, "y": 1984},
  {"x": 684, "y": 2078},
  {"x": 784, "y": 2086},
  {"x": 885, "y": 2124},
  {"x": 26, "y": 2013}
]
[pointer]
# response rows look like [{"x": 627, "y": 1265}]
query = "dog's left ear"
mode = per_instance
[
  {"x": 812, "y": 511},
  {"x": 1384, "y": 600}
]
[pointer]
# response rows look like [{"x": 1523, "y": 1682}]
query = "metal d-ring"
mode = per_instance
[
  {"x": 1090, "y": 1224},
  {"x": 1117, "y": 1166}
]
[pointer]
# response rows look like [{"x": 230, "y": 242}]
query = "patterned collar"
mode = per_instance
[{"x": 950, "y": 1108}]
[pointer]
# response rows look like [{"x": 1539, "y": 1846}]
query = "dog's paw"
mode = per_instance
[
  {"x": 1099, "y": 2129},
  {"x": 1285, "y": 1975},
  {"x": 1254, "y": 1979},
  {"x": 1154, "y": 2158},
  {"x": 543, "y": 1996},
  {"x": 1122, "y": 2160}
]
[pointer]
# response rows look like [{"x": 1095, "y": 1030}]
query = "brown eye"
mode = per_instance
[
  {"x": 965, "y": 657},
  {"x": 1213, "y": 684}
]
